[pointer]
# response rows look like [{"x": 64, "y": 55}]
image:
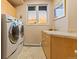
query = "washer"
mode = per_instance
[
  {"x": 21, "y": 31},
  {"x": 9, "y": 36},
  {"x": 20, "y": 39}
]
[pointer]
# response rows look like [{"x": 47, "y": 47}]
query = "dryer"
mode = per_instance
[
  {"x": 9, "y": 36},
  {"x": 20, "y": 39},
  {"x": 21, "y": 31},
  {"x": 21, "y": 35}
]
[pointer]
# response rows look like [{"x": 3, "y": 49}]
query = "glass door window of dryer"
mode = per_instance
[
  {"x": 14, "y": 33},
  {"x": 22, "y": 31}
]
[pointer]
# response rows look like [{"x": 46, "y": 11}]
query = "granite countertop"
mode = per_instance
[{"x": 61, "y": 34}]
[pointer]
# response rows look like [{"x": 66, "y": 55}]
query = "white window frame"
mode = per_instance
[{"x": 37, "y": 13}]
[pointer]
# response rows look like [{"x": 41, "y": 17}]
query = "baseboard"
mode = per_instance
[{"x": 32, "y": 45}]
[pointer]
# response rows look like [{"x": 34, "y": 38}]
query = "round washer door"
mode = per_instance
[{"x": 14, "y": 33}]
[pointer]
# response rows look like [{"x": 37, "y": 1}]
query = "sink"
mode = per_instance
[{"x": 52, "y": 29}]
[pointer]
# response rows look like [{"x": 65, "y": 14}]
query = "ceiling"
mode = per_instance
[{"x": 16, "y": 3}]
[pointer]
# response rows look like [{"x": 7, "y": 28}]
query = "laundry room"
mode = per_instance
[{"x": 38, "y": 29}]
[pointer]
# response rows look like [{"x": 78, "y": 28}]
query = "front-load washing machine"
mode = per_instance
[
  {"x": 9, "y": 36},
  {"x": 21, "y": 36},
  {"x": 21, "y": 31},
  {"x": 20, "y": 39}
]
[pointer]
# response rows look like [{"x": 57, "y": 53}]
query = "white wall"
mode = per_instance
[
  {"x": 72, "y": 15},
  {"x": 33, "y": 32},
  {"x": 69, "y": 22},
  {"x": 62, "y": 23}
]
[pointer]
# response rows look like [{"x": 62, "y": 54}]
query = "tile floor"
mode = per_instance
[{"x": 32, "y": 53}]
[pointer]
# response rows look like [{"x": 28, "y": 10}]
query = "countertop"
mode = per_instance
[{"x": 61, "y": 34}]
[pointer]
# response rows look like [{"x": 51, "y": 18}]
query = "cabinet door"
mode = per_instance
[
  {"x": 70, "y": 47},
  {"x": 63, "y": 48},
  {"x": 46, "y": 45},
  {"x": 48, "y": 42},
  {"x": 58, "y": 48}
]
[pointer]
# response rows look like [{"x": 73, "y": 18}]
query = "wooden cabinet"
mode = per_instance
[
  {"x": 56, "y": 47},
  {"x": 63, "y": 48},
  {"x": 46, "y": 42}
]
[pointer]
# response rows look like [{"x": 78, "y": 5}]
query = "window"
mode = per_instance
[
  {"x": 60, "y": 9},
  {"x": 37, "y": 14}
]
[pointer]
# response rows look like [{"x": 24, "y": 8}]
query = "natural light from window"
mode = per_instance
[{"x": 37, "y": 14}]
